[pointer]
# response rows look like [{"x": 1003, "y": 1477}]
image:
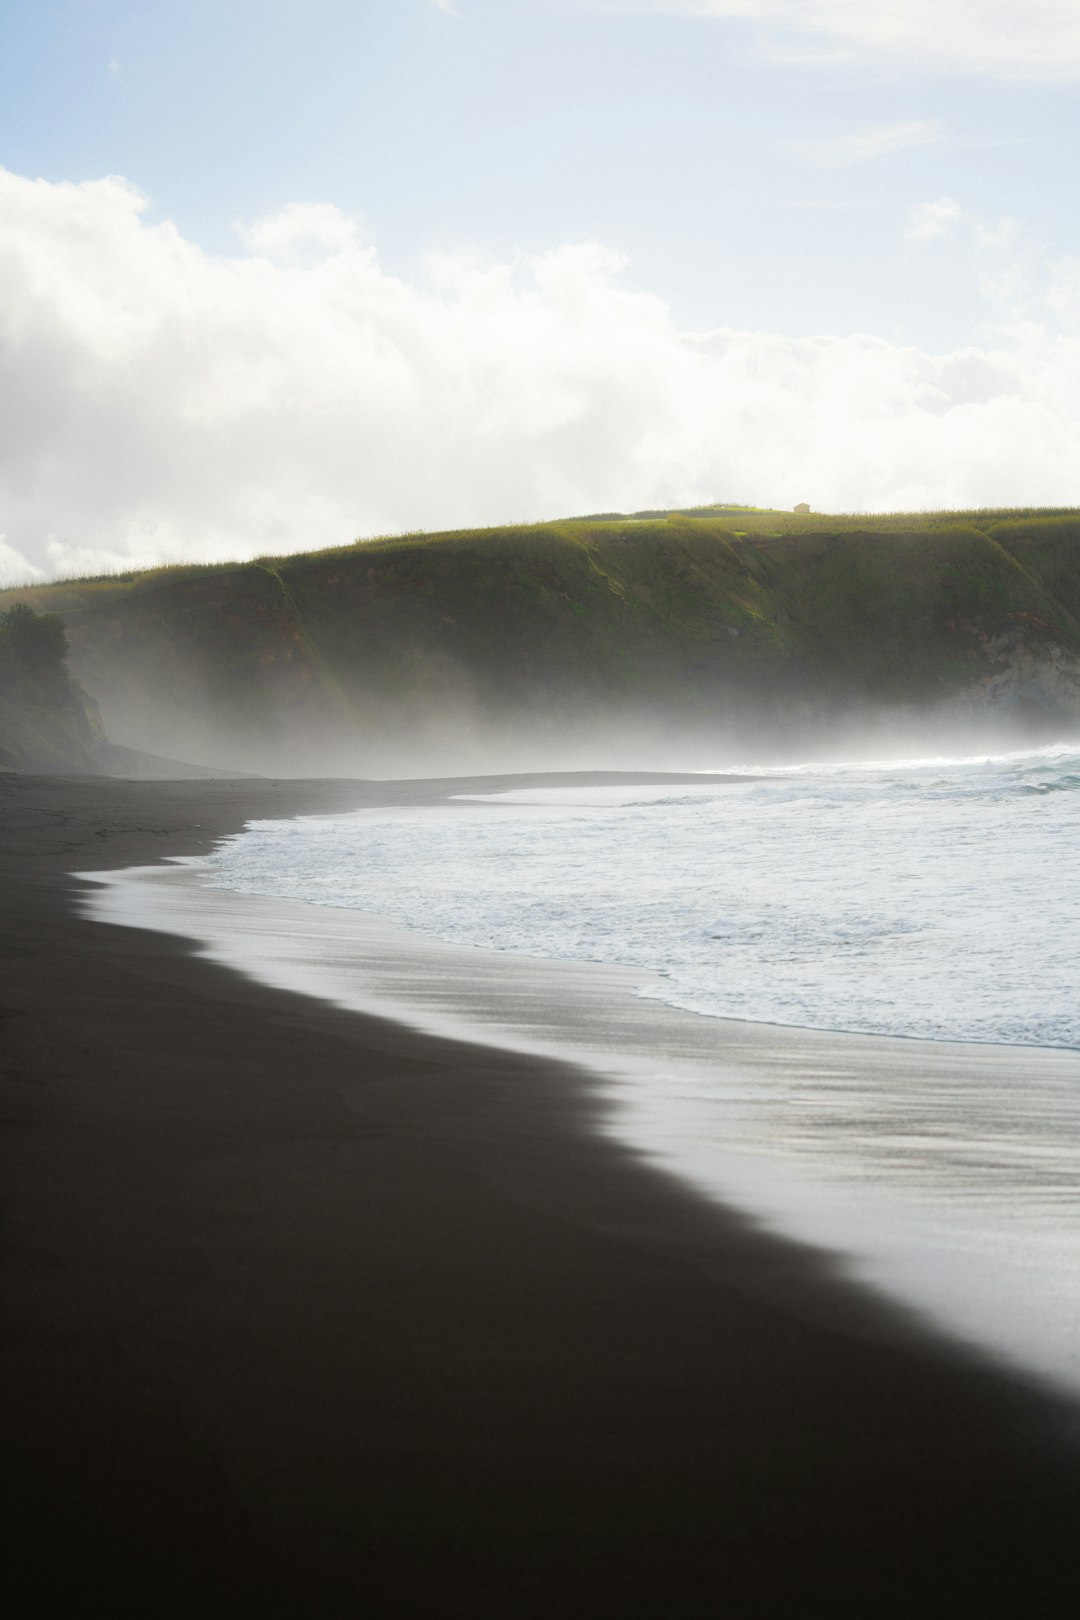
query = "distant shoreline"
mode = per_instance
[{"x": 312, "y": 1310}]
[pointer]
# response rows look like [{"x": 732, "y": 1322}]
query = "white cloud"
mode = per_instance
[
  {"x": 864, "y": 145},
  {"x": 1011, "y": 39},
  {"x": 933, "y": 219},
  {"x": 1008, "y": 270},
  {"x": 158, "y": 402},
  {"x": 318, "y": 227},
  {"x": 15, "y": 569}
]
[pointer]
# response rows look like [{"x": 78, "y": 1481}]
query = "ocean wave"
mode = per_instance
[{"x": 932, "y": 899}]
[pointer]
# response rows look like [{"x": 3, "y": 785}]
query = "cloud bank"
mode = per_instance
[
  {"x": 1010, "y": 39},
  {"x": 160, "y": 403}
]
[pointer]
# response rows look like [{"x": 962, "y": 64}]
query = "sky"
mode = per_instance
[{"x": 276, "y": 274}]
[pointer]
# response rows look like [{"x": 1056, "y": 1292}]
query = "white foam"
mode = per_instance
[{"x": 934, "y": 901}]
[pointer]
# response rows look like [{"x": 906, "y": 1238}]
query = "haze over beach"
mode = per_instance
[{"x": 539, "y": 764}]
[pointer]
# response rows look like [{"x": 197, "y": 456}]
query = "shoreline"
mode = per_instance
[
  {"x": 906, "y": 1162},
  {"x": 313, "y": 1309}
]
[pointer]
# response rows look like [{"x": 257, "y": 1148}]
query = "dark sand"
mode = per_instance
[{"x": 306, "y": 1314}]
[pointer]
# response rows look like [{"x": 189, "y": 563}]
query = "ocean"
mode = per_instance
[
  {"x": 842, "y": 998},
  {"x": 936, "y": 899}
]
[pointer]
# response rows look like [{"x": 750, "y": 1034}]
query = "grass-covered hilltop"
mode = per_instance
[{"x": 606, "y": 639}]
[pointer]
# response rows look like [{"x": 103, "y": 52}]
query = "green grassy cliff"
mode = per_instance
[
  {"x": 47, "y": 723},
  {"x": 720, "y": 622}
]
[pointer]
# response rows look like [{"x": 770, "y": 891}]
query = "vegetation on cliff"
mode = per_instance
[
  {"x": 698, "y": 618},
  {"x": 46, "y": 720}
]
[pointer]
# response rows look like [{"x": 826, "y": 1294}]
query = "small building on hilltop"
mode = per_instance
[{"x": 801, "y": 508}]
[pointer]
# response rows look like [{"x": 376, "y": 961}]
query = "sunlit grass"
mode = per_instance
[{"x": 685, "y": 607}]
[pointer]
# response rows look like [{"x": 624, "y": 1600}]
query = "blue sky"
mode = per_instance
[
  {"x": 509, "y": 125},
  {"x": 798, "y": 169}
]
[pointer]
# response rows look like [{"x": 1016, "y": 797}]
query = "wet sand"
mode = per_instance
[{"x": 308, "y": 1313}]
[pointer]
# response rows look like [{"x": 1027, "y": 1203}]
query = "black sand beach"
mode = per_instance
[{"x": 309, "y": 1314}]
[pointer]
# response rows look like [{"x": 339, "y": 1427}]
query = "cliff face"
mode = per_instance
[
  {"x": 426, "y": 652},
  {"x": 47, "y": 722},
  {"x": 1026, "y": 674}
]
